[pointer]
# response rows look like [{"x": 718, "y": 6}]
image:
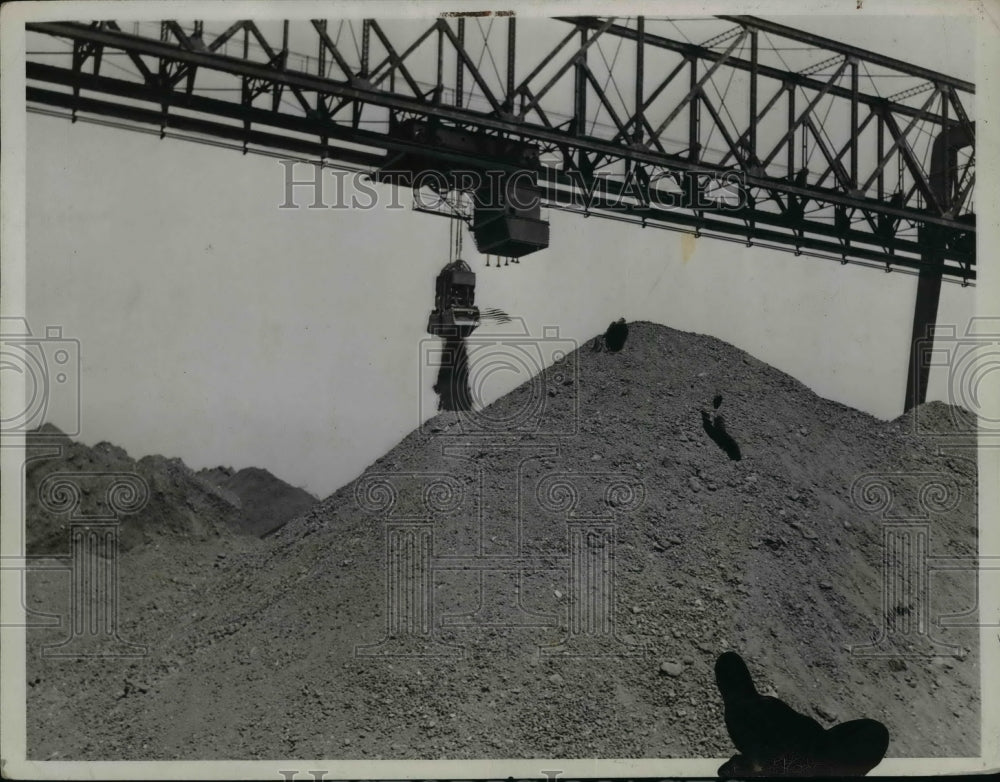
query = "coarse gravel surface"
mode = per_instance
[{"x": 253, "y": 645}]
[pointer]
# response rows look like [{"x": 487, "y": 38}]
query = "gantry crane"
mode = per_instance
[{"x": 820, "y": 147}]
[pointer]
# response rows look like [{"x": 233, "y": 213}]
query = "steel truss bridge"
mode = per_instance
[{"x": 837, "y": 151}]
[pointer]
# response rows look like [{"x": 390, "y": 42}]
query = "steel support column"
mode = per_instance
[{"x": 942, "y": 184}]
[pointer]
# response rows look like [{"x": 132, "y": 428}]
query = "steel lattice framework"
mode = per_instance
[{"x": 825, "y": 163}]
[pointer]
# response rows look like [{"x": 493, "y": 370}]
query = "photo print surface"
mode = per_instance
[{"x": 421, "y": 384}]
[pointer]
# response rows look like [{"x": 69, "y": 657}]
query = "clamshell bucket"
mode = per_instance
[{"x": 455, "y": 313}]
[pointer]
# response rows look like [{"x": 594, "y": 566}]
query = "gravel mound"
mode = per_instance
[
  {"x": 267, "y": 501},
  {"x": 180, "y": 505},
  {"x": 207, "y": 505},
  {"x": 265, "y": 650}
]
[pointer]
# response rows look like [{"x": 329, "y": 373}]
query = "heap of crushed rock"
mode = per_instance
[{"x": 304, "y": 644}]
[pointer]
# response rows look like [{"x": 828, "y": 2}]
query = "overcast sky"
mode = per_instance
[{"x": 223, "y": 330}]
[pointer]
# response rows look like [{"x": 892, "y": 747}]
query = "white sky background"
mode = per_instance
[{"x": 223, "y": 330}]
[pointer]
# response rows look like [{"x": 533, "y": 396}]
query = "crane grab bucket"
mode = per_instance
[{"x": 455, "y": 313}]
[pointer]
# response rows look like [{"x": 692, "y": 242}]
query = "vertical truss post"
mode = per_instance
[
  {"x": 439, "y": 87},
  {"x": 580, "y": 101},
  {"x": 79, "y": 55},
  {"x": 247, "y": 96},
  {"x": 752, "y": 126},
  {"x": 321, "y": 68},
  {"x": 791, "y": 136},
  {"x": 580, "y": 89},
  {"x": 511, "y": 48},
  {"x": 366, "y": 34},
  {"x": 580, "y": 93},
  {"x": 854, "y": 123},
  {"x": 459, "y": 67},
  {"x": 945, "y": 197},
  {"x": 97, "y": 52},
  {"x": 640, "y": 43},
  {"x": 881, "y": 147},
  {"x": 321, "y": 58},
  {"x": 692, "y": 182},
  {"x": 804, "y": 157},
  {"x": 694, "y": 144},
  {"x": 277, "y": 88}
]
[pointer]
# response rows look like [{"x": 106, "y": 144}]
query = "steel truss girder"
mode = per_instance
[
  {"x": 557, "y": 187},
  {"x": 635, "y": 142},
  {"x": 850, "y": 51},
  {"x": 560, "y": 190},
  {"x": 690, "y": 50}
]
